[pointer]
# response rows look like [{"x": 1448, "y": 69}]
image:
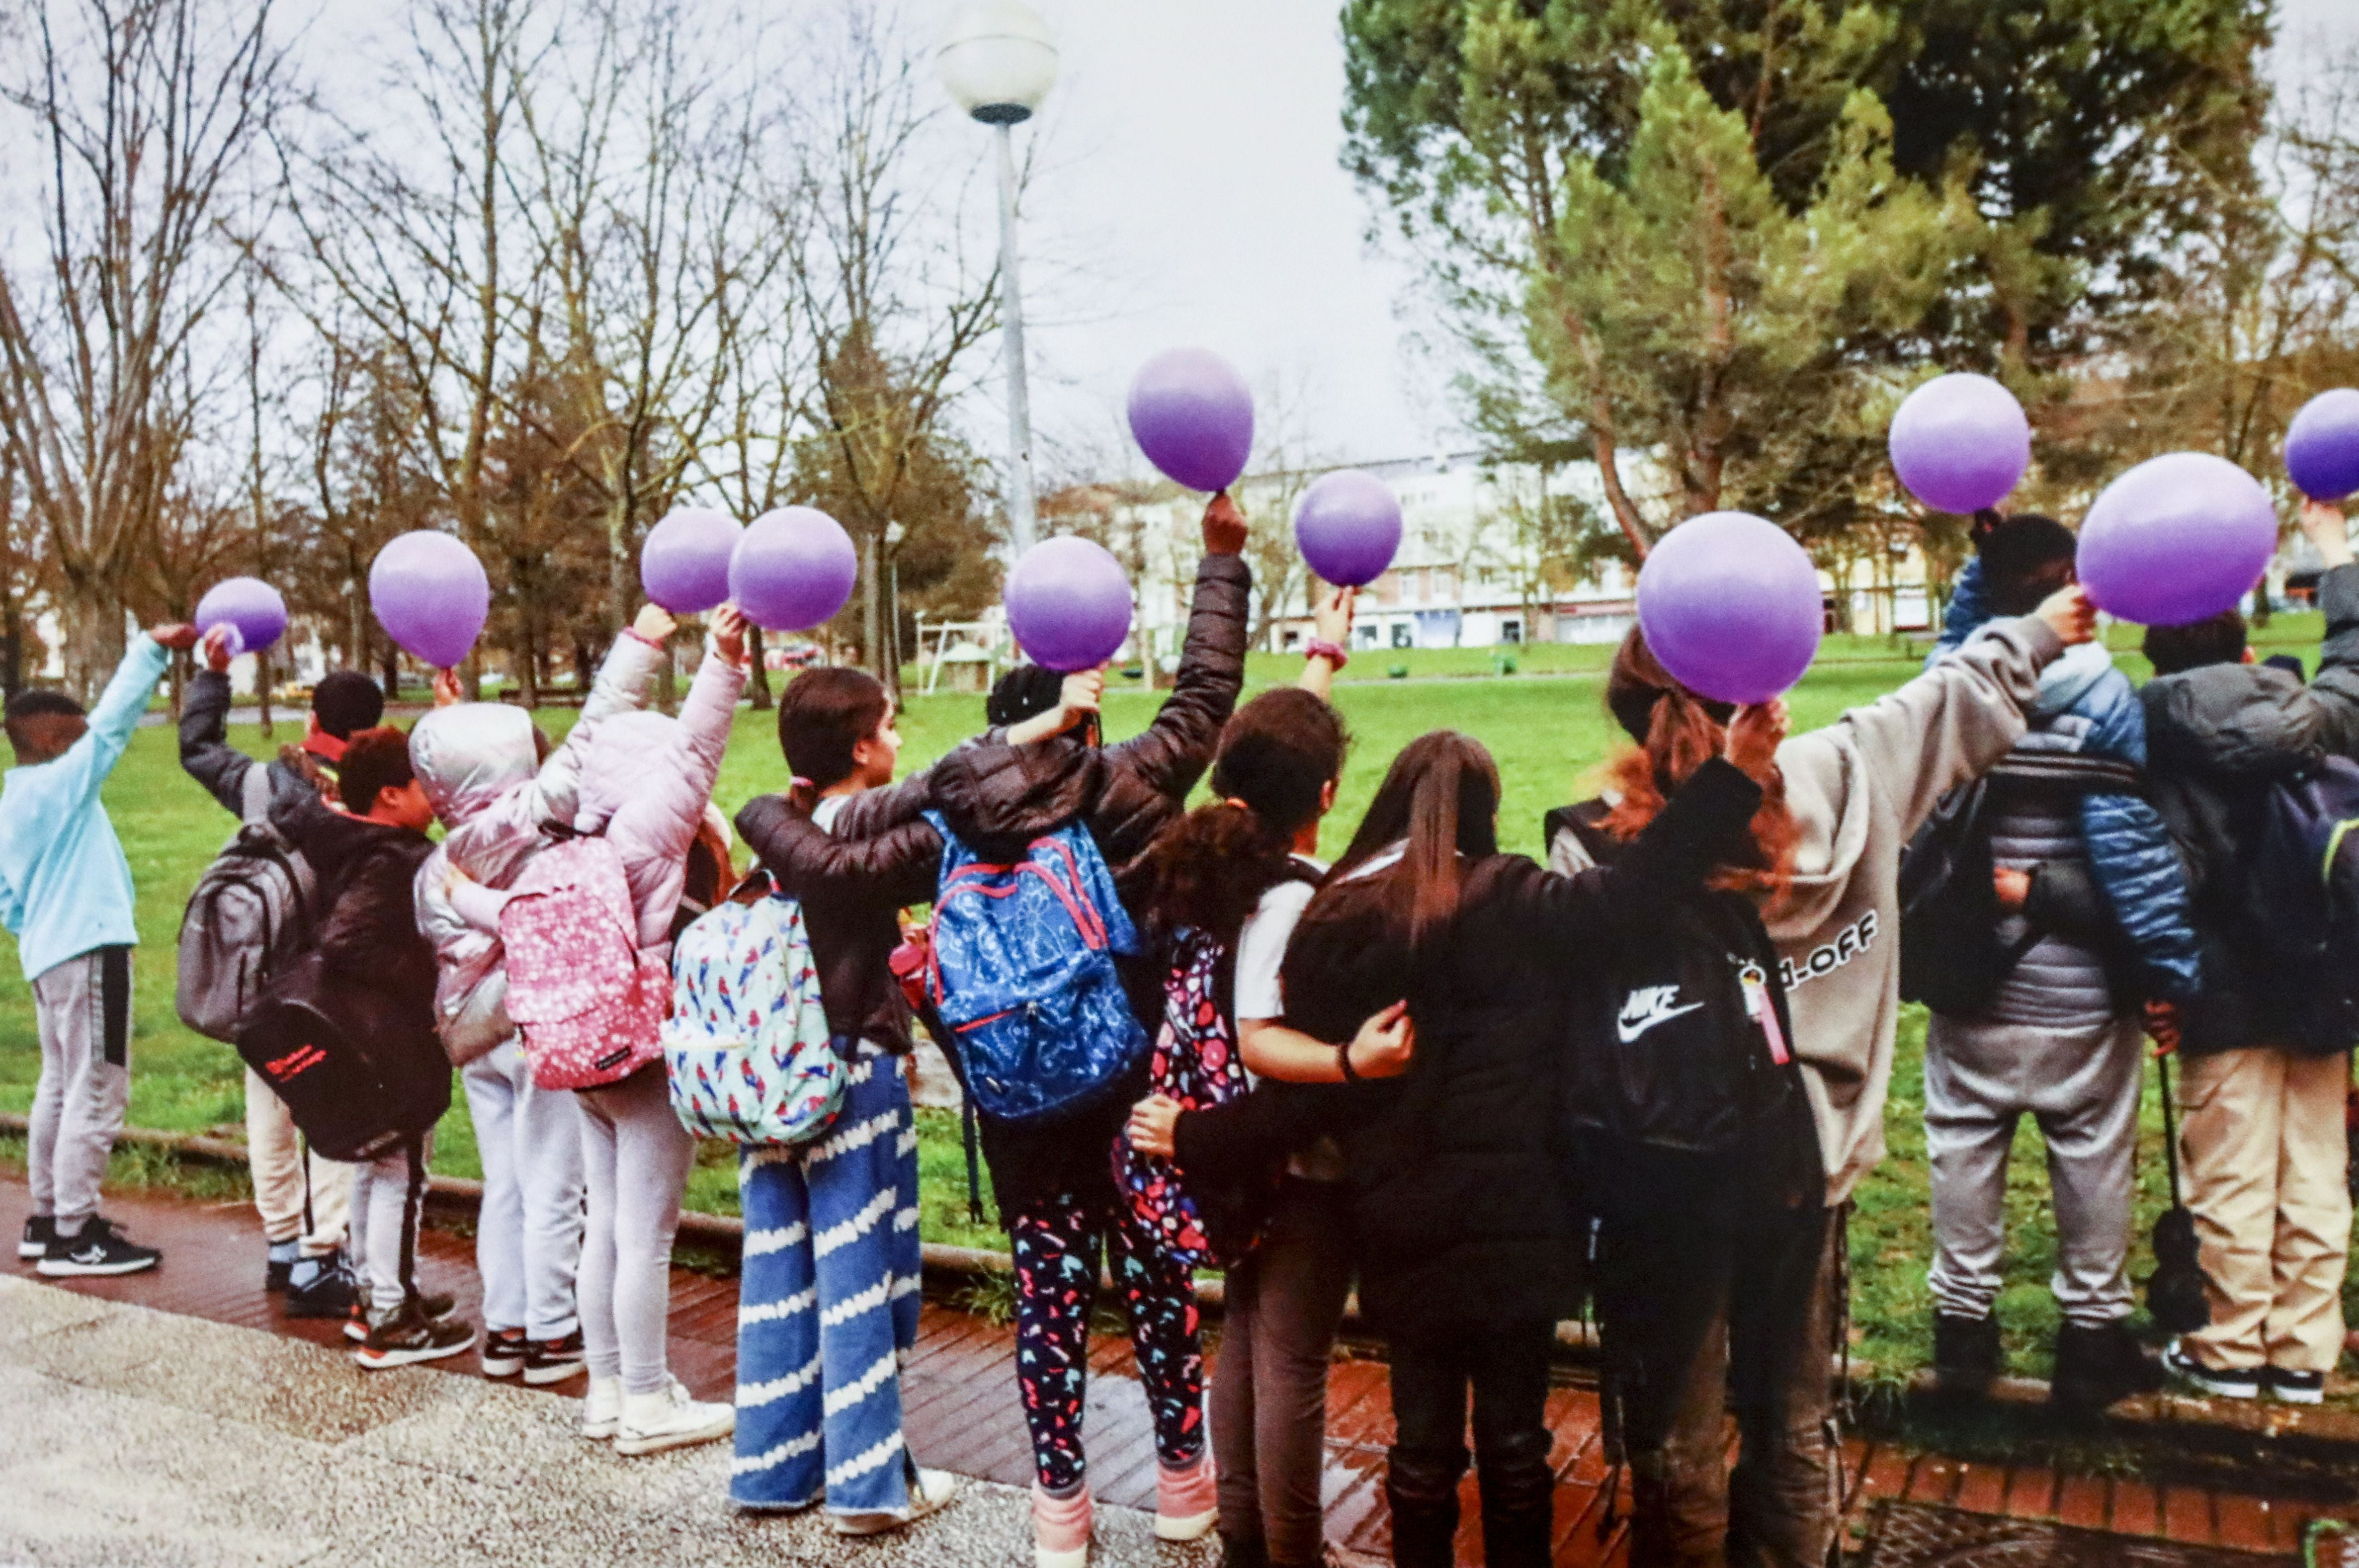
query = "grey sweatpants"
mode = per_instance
[
  {"x": 388, "y": 1201},
  {"x": 635, "y": 1158},
  {"x": 82, "y": 1008},
  {"x": 528, "y": 1235},
  {"x": 2082, "y": 1087}
]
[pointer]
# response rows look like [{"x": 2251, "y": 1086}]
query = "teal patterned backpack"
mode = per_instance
[{"x": 746, "y": 1046}]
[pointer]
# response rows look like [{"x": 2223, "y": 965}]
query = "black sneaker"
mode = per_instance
[
  {"x": 2231, "y": 1383},
  {"x": 278, "y": 1268},
  {"x": 97, "y": 1249},
  {"x": 39, "y": 1230},
  {"x": 2100, "y": 1367},
  {"x": 506, "y": 1350},
  {"x": 1965, "y": 1353},
  {"x": 356, "y": 1316},
  {"x": 436, "y": 1308},
  {"x": 330, "y": 1292},
  {"x": 408, "y": 1336},
  {"x": 554, "y": 1360},
  {"x": 2294, "y": 1387}
]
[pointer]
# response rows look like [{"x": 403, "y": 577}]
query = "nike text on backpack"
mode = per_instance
[
  {"x": 2304, "y": 900},
  {"x": 1195, "y": 1061},
  {"x": 357, "y": 1074},
  {"x": 1021, "y": 972},
  {"x": 589, "y": 1001},
  {"x": 746, "y": 1046},
  {"x": 249, "y": 916}
]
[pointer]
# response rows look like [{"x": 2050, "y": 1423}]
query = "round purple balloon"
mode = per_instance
[
  {"x": 251, "y": 608},
  {"x": 1348, "y": 525},
  {"x": 1960, "y": 442},
  {"x": 1730, "y": 605},
  {"x": 2176, "y": 538},
  {"x": 793, "y": 570},
  {"x": 1069, "y": 603},
  {"x": 431, "y": 595},
  {"x": 684, "y": 564},
  {"x": 2321, "y": 449},
  {"x": 1193, "y": 417}
]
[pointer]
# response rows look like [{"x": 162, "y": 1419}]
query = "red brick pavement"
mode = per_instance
[{"x": 961, "y": 1409}]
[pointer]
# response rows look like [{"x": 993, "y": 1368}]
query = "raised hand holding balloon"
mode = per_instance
[
  {"x": 2178, "y": 539},
  {"x": 1960, "y": 442},
  {"x": 1348, "y": 525},
  {"x": 251, "y": 609},
  {"x": 2321, "y": 449},
  {"x": 1068, "y": 604},
  {"x": 684, "y": 564},
  {"x": 1192, "y": 416},
  {"x": 1730, "y": 606},
  {"x": 793, "y": 570},
  {"x": 431, "y": 595}
]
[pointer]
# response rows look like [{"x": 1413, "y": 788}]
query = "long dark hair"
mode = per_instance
[
  {"x": 1441, "y": 795},
  {"x": 1207, "y": 871}
]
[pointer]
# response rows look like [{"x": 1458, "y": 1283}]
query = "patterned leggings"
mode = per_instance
[{"x": 1057, "y": 1246}]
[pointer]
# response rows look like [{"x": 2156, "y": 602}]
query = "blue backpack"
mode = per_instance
[
  {"x": 2303, "y": 893},
  {"x": 1020, "y": 970}
]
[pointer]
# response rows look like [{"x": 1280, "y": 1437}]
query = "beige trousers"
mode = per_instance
[
  {"x": 275, "y": 1151},
  {"x": 2263, "y": 1160}
]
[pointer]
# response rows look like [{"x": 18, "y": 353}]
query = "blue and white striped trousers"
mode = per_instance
[{"x": 827, "y": 1306}]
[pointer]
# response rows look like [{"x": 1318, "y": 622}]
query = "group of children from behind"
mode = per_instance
[{"x": 1431, "y": 1068}]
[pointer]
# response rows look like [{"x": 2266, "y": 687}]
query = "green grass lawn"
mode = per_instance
[{"x": 1549, "y": 731}]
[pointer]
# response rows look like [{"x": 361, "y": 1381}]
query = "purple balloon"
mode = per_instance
[
  {"x": 1730, "y": 606},
  {"x": 1960, "y": 442},
  {"x": 793, "y": 570},
  {"x": 431, "y": 595},
  {"x": 1069, "y": 603},
  {"x": 1349, "y": 525},
  {"x": 251, "y": 607},
  {"x": 2176, "y": 538},
  {"x": 2321, "y": 449},
  {"x": 684, "y": 564},
  {"x": 1193, "y": 417}
]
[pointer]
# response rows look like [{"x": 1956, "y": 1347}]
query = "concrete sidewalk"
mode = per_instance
[{"x": 135, "y": 1436}]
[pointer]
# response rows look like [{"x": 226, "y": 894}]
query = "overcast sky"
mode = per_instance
[{"x": 1191, "y": 164}]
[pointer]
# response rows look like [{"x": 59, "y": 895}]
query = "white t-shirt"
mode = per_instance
[{"x": 1261, "y": 953}]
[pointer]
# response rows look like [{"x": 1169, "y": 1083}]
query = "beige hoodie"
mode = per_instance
[{"x": 1860, "y": 788}]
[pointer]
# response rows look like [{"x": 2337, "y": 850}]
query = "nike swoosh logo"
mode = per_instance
[{"x": 1629, "y": 1032}]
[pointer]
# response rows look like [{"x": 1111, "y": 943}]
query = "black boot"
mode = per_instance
[
  {"x": 1965, "y": 1353},
  {"x": 1518, "y": 1503},
  {"x": 1243, "y": 1551},
  {"x": 2099, "y": 1367},
  {"x": 1424, "y": 1501}
]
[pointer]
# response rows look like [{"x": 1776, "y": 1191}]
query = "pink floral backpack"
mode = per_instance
[{"x": 589, "y": 1001}]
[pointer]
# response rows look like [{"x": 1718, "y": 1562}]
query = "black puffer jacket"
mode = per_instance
[
  {"x": 881, "y": 856},
  {"x": 1463, "y": 1216},
  {"x": 207, "y": 757}
]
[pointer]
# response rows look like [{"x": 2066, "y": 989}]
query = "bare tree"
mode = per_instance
[{"x": 144, "y": 113}]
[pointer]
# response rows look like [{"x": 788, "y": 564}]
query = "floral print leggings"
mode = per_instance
[{"x": 1057, "y": 1244}]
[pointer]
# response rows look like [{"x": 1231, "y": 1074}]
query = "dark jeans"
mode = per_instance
[
  {"x": 1693, "y": 1315},
  {"x": 1505, "y": 1370}
]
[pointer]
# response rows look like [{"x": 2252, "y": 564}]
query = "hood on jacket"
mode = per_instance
[
  {"x": 2071, "y": 678},
  {"x": 1000, "y": 798},
  {"x": 627, "y": 750},
  {"x": 2233, "y": 719},
  {"x": 469, "y": 755}
]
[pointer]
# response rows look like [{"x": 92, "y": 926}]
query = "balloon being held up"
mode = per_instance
[
  {"x": 1960, "y": 442},
  {"x": 793, "y": 570},
  {"x": 1349, "y": 526},
  {"x": 684, "y": 564},
  {"x": 250, "y": 607},
  {"x": 2322, "y": 450},
  {"x": 2175, "y": 540},
  {"x": 1193, "y": 417},
  {"x": 1069, "y": 603},
  {"x": 1730, "y": 605},
  {"x": 431, "y": 595}
]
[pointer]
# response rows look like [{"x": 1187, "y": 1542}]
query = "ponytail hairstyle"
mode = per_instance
[
  {"x": 1441, "y": 796},
  {"x": 1678, "y": 731},
  {"x": 1277, "y": 756}
]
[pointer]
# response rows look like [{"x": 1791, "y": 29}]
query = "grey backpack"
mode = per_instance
[{"x": 248, "y": 918}]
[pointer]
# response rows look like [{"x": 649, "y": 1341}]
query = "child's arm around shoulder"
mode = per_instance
[{"x": 900, "y": 866}]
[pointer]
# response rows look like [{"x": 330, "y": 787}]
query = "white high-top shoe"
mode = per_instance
[
  {"x": 670, "y": 1419},
  {"x": 927, "y": 1492},
  {"x": 602, "y": 1412}
]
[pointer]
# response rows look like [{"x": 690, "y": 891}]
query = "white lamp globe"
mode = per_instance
[{"x": 997, "y": 61}]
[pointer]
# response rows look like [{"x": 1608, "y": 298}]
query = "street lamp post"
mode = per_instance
[{"x": 998, "y": 63}]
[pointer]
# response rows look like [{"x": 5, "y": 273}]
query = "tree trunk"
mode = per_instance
[
  {"x": 760, "y": 680},
  {"x": 92, "y": 617},
  {"x": 2261, "y": 606},
  {"x": 262, "y": 688}
]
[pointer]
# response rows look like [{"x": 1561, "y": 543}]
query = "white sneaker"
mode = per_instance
[
  {"x": 654, "y": 1422},
  {"x": 927, "y": 1493},
  {"x": 602, "y": 1412}
]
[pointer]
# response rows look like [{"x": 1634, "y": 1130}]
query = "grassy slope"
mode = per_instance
[{"x": 1546, "y": 732}]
